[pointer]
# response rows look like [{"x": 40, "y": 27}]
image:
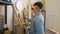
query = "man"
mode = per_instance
[{"x": 37, "y": 22}]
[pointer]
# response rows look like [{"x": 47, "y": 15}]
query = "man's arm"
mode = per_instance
[{"x": 28, "y": 19}]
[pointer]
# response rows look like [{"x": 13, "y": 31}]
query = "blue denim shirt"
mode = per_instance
[{"x": 37, "y": 24}]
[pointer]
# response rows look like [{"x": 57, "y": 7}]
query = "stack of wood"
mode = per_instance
[
  {"x": 20, "y": 22},
  {"x": 17, "y": 24}
]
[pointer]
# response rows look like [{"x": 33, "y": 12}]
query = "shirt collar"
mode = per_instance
[{"x": 38, "y": 13}]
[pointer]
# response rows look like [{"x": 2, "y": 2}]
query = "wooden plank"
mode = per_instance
[
  {"x": 18, "y": 28},
  {"x": 53, "y": 31}
]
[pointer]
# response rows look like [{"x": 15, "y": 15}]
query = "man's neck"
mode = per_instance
[{"x": 38, "y": 12}]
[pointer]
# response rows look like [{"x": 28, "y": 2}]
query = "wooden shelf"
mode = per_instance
[{"x": 5, "y": 3}]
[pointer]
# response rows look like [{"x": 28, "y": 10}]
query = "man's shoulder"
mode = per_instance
[{"x": 39, "y": 17}]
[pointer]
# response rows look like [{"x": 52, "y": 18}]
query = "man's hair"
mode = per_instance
[{"x": 39, "y": 4}]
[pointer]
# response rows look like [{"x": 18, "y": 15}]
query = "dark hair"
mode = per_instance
[{"x": 39, "y": 4}]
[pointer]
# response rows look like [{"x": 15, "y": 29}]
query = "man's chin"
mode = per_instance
[{"x": 33, "y": 12}]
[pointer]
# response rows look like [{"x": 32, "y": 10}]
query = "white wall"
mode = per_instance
[
  {"x": 9, "y": 15},
  {"x": 53, "y": 15}
]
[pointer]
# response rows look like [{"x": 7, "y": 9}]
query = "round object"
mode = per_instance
[{"x": 19, "y": 5}]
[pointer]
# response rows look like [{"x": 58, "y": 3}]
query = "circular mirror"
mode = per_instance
[{"x": 19, "y": 5}]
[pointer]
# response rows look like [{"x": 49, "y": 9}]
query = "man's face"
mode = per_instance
[{"x": 36, "y": 9}]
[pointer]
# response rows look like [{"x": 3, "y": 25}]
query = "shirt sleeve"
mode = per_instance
[
  {"x": 39, "y": 28},
  {"x": 28, "y": 19}
]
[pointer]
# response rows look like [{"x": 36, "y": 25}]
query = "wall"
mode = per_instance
[
  {"x": 9, "y": 15},
  {"x": 52, "y": 15}
]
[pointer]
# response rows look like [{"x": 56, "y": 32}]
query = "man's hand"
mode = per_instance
[{"x": 27, "y": 18}]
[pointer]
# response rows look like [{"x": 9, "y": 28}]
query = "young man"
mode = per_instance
[{"x": 37, "y": 22}]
